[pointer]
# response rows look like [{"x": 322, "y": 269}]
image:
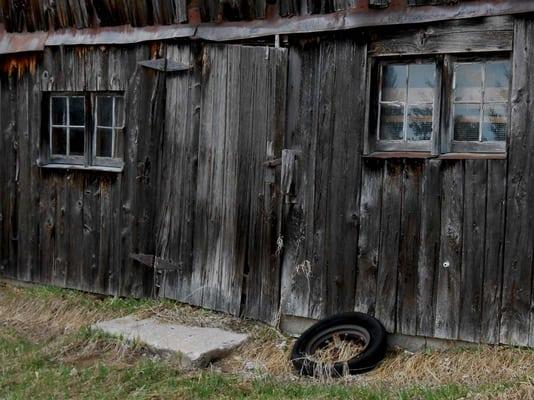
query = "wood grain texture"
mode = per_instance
[{"x": 518, "y": 256}]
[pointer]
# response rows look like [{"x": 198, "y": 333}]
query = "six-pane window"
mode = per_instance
[
  {"x": 407, "y": 102},
  {"x": 84, "y": 129},
  {"x": 410, "y": 105}
]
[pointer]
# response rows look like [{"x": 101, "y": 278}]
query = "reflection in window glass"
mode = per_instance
[
  {"x": 468, "y": 83},
  {"x": 392, "y": 122},
  {"x": 495, "y": 122},
  {"x": 395, "y": 79},
  {"x": 419, "y": 122},
  {"x": 407, "y": 102},
  {"x": 466, "y": 122},
  {"x": 481, "y": 95}
]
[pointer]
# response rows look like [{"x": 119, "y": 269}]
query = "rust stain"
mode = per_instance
[{"x": 19, "y": 65}]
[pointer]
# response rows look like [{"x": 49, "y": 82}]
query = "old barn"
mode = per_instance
[{"x": 281, "y": 160}]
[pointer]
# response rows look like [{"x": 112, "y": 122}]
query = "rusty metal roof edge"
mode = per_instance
[{"x": 226, "y": 31}]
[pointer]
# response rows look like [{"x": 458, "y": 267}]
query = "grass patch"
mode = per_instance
[{"x": 47, "y": 351}]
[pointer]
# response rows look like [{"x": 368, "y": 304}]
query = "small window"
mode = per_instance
[
  {"x": 67, "y": 128},
  {"x": 480, "y": 105},
  {"x": 84, "y": 130},
  {"x": 406, "y": 106},
  {"x": 409, "y": 111}
]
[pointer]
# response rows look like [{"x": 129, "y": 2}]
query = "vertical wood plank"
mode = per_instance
[
  {"x": 369, "y": 236},
  {"x": 473, "y": 261},
  {"x": 388, "y": 253},
  {"x": 428, "y": 258},
  {"x": 494, "y": 249},
  {"x": 449, "y": 272},
  {"x": 518, "y": 257},
  {"x": 409, "y": 250}
]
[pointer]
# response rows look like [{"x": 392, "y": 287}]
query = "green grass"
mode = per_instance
[
  {"x": 28, "y": 371},
  {"x": 36, "y": 368}
]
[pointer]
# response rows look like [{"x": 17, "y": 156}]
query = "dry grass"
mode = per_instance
[{"x": 52, "y": 317}]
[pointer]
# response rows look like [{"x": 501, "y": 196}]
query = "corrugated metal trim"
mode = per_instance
[
  {"x": 21, "y": 42},
  {"x": 118, "y": 35},
  {"x": 11, "y": 43}
]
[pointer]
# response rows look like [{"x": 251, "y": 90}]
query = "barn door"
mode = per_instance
[{"x": 222, "y": 221}]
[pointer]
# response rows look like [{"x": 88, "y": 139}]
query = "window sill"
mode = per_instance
[
  {"x": 472, "y": 156},
  {"x": 384, "y": 155},
  {"x": 81, "y": 167}
]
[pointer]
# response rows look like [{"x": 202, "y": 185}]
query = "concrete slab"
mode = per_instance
[{"x": 196, "y": 347}]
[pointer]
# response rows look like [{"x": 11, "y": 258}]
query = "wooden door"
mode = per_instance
[{"x": 221, "y": 203}]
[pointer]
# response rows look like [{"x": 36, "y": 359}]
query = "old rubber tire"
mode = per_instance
[{"x": 356, "y": 325}]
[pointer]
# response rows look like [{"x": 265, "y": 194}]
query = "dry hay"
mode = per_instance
[{"x": 267, "y": 352}]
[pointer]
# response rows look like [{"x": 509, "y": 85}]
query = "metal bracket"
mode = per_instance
[
  {"x": 165, "y": 65},
  {"x": 159, "y": 264}
]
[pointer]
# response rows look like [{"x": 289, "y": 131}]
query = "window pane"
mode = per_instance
[
  {"x": 419, "y": 122},
  {"x": 468, "y": 78},
  {"x": 104, "y": 140},
  {"x": 495, "y": 124},
  {"x": 59, "y": 141},
  {"x": 59, "y": 111},
  {"x": 77, "y": 141},
  {"x": 466, "y": 122},
  {"x": 394, "y": 81},
  {"x": 497, "y": 81},
  {"x": 77, "y": 111},
  {"x": 391, "y": 122},
  {"x": 119, "y": 112},
  {"x": 421, "y": 83},
  {"x": 105, "y": 111}
]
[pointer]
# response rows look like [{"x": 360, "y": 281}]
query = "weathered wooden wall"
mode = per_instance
[
  {"x": 221, "y": 203},
  {"x": 68, "y": 228},
  {"x": 247, "y": 173}
]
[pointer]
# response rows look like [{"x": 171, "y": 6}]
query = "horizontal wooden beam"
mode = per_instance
[{"x": 229, "y": 31}]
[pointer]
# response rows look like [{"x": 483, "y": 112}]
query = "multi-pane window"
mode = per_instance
[
  {"x": 413, "y": 113},
  {"x": 406, "y": 103},
  {"x": 480, "y": 103},
  {"x": 67, "y": 127},
  {"x": 84, "y": 129}
]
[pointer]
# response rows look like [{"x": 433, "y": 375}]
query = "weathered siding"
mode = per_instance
[
  {"x": 246, "y": 173},
  {"x": 70, "y": 228}
]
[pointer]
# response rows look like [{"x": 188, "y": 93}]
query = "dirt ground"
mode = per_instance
[{"x": 53, "y": 324}]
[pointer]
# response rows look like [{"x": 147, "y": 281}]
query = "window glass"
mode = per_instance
[
  {"x": 407, "y": 102},
  {"x": 104, "y": 111},
  {"x": 77, "y": 141},
  {"x": 76, "y": 111},
  {"x": 480, "y": 106},
  {"x": 109, "y": 120},
  {"x": 104, "y": 142},
  {"x": 59, "y": 141},
  {"x": 67, "y": 130},
  {"x": 59, "y": 110}
]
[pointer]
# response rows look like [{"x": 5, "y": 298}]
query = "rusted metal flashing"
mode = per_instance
[
  {"x": 118, "y": 35},
  {"x": 228, "y": 31},
  {"x": 11, "y": 43}
]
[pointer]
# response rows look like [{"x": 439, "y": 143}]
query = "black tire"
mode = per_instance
[{"x": 365, "y": 328}]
